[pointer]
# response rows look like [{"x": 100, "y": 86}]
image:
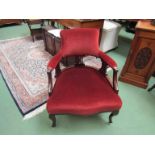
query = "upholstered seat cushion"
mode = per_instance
[{"x": 82, "y": 91}]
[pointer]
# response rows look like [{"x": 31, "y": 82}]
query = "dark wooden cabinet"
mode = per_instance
[
  {"x": 140, "y": 63},
  {"x": 52, "y": 43},
  {"x": 10, "y": 21}
]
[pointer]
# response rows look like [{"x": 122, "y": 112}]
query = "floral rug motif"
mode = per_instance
[{"x": 23, "y": 65}]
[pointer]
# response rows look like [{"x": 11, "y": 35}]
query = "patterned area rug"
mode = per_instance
[{"x": 23, "y": 65}]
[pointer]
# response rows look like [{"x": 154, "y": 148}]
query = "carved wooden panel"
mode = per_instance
[
  {"x": 143, "y": 58},
  {"x": 140, "y": 63}
]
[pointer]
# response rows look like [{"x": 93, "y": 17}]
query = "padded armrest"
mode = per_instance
[
  {"x": 54, "y": 61},
  {"x": 108, "y": 60}
]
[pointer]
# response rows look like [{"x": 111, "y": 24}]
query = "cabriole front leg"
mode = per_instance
[{"x": 53, "y": 118}]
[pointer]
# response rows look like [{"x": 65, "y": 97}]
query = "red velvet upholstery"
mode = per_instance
[
  {"x": 80, "y": 41},
  {"x": 107, "y": 60},
  {"x": 82, "y": 91},
  {"x": 54, "y": 61}
]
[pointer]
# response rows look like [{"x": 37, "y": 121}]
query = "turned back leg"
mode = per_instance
[{"x": 113, "y": 114}]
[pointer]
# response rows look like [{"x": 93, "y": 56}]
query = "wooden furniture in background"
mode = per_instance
[
  {"x": 35, "y": 32},
  {"x": 10, "y": 21},
  {"x": 82, "y": 23},
  {"x": 140, "y": 63},
  {"x": 52, "y": 43},
  {"x": 130, "y": 25}
]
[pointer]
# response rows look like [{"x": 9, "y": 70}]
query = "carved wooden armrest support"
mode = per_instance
[
  {"x": 104, "y": 67},
  {"x": 53, "y": 64},
  {"x": 115, "y": 80},
  {"x": 50, "y": 82}
]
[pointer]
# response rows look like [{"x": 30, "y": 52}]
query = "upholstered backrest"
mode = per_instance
[{"x": 79, "y": 41}]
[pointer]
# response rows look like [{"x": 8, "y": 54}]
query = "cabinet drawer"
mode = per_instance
[{"x": 145, "y": 34}]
